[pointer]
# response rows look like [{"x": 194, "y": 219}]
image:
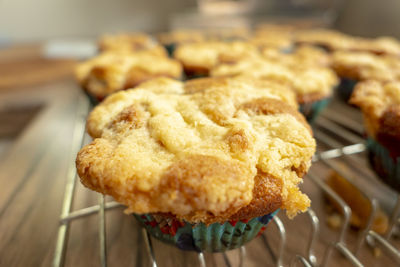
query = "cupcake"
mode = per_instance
[
  {"x": 113, "y": 71},
  {"x": 301, "y": 57},
  {"x": 327, "y": 39},
  {"x": 170, "y": 40},
  {"x": 275, "y": 36},
  {"x": 203, "y": 165},
  {"x": 199, "y": 58},
  {"x": 131, "y": 42},
  {"x": 353, "y": 67},
  {"x": 380, "y": 105},
  {"x": 313, "y": 85},
  {"x": 377, "y": 46},
  {"x": 228, "y": 34}
]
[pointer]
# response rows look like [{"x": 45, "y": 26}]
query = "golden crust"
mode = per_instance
[
  {"x": 328, "y": 39},
  {"x": 202, "y": 56},
  {"x": 378, "y": 46},
  {"x": 131, "y": 42},
  {"x": 197, "y": 150},
  {"x": 114, "y": 71},
  {"x": 302, "y": 57},
  {"x": 303, "y": 81},
  {"x": 380, "y": 104},
  {"x": 364, "y": 66}
]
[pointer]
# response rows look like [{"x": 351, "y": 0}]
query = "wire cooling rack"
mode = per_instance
[{"x": 338, "y": 136}]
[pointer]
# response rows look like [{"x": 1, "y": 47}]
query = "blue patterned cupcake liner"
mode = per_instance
[
  {"x": 93, "y": 100},
  {"x": 387, "y": 167},
  {"x": 170, "y": 48},
  {"x": 215, "y": 237},
  {"x": 346, "y": 88},
  {"x": 311, "y": 110}
]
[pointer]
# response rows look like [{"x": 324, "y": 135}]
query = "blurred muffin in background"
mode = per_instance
[
  {"x": 353, "y": 67},
  {"x": 380, "y": 105},
  {"x": 274, "y": 36},
  {"x": 118, "y": 70},
  {"x": 301, "y": 57},
  {"x": 170, "y": 40},
  {"x": 313, "y": 85},
  {"x": 130, "y": 42},
  {"x": 328, "y": 39},
  {"x": 199, "y": 58}
]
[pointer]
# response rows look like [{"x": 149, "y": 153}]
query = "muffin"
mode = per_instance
[
  {"x": 301, "y": 57},
  {"x": 204, "y": 164},
  {"x": 199, "y": 58},
  {"x": 353, "y": 67},
  {"x": 170, "y": 40},
  {"x": 327, "y": 39},
  {"x": 378, "y": 46},
  {"x": 380, "y": 105},
  {"x": 113, "y": 71},
  {"x": 313, "y": 86},
  {"x": 274, "y": 36},
  {"x": 131, "y": 42}
]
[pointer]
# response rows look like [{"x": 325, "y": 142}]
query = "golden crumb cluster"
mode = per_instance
[
  {"x": 207, "y": 150},
  {"x": 113, "y": 71}
]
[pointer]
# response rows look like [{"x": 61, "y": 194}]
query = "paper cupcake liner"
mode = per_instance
[
  {"x": 170, "y": 48},
  {"x": 93, "y": 100},
  {"x": 188, "y": 76},
  {"x": 311, "y": 110},
  {"x": 200, "y": 237},
  {"x": 346, "y": 88},
  {"x": 387, "y": 167}
]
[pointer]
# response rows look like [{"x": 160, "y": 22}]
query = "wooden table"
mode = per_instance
[{"x": 34, "y": 172}]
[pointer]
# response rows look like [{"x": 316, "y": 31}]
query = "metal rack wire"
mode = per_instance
[{"x": 342, "y": 127}]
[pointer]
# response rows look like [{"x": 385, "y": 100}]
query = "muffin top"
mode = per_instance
[
  {"x": 112, "y": 71},
  {"x": 131, "y": 42},
  {"x": 364, "y": 66},
  {"x": 204, "y": 55},
  {"x": 309, "y": 83},
  {"x": 380, "y": 104},
  {"x": 302, "y": 57},
  {"x": 207, "y": 150},
  {"x": 328, "y": 39},
  {"x": 380, "y": 46}
]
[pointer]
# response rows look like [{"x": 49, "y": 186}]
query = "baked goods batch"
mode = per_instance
[{"x": 204, "y": 146}]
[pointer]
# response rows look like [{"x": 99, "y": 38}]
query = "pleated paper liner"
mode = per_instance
[{"x": 216, "y": 237}]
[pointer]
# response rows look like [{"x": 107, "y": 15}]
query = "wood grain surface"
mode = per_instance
[{"x": 33, "y": 176}]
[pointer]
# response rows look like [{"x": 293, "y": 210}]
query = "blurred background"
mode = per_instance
[{"x": 23, "y": 20}]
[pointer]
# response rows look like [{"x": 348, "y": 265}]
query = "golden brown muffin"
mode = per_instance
[
  {"x": 205, "y": 151},
  {"x": 309, "y": 83},
  {"x": 182, "y": 36},
  {"x": 302, "y": 57},
  {"x": 282, "y": 41},
  {"x": 113, "y": 71},
  {"x": 378, "y": 46},
  {"x": 328, "y": 39},
  {"x": 199, "y": 58},
  {"x": 380, "y": 104},
  {"x": 363, "y": 66},
  {"x": 131, "y": 42}
]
